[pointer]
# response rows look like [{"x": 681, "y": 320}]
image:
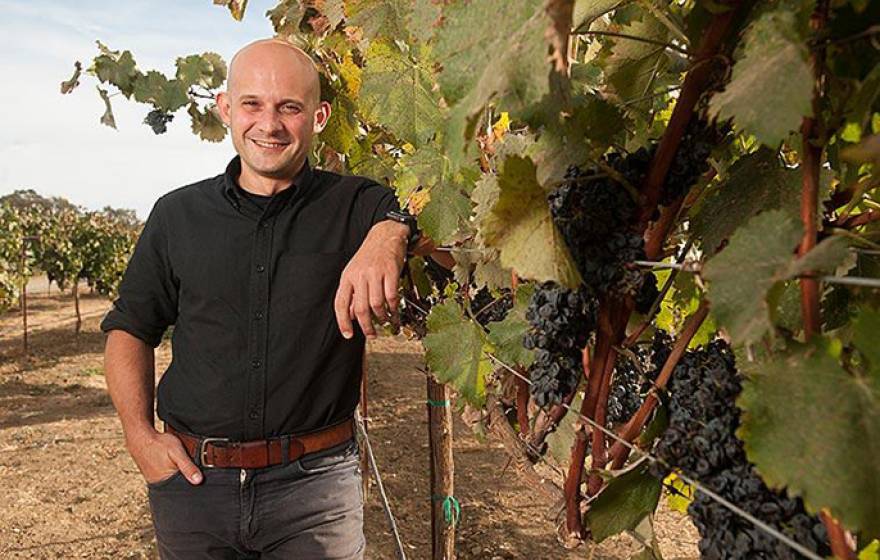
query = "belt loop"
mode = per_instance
[
  {"x": 198, "y": 455},
  {"x": 285, "y": 451}
]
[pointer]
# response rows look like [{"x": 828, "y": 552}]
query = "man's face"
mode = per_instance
[{"x": 272, "y": 109}]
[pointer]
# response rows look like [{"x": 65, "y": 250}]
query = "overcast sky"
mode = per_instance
[{"x": 55, "y": 144}]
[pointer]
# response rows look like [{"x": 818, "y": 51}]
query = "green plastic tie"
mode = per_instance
[
  {"x": 438, "y": 403},
  {"x": 451, "y": 509}
]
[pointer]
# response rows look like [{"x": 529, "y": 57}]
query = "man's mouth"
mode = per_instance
[{"x": 269, "y": 145}]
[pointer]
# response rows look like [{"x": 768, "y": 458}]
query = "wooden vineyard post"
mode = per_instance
[
  {"x": 76, "y": 304},
  {"x": 445, "y": 511},
  {"x": 23, "y": 299},
  {"x": 365, "y": 459}
]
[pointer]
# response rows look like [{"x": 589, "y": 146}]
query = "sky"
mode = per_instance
[{"x": 55, "y": 144}]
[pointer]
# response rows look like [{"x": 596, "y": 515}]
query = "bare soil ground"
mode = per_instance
[{"x": 70, "y": 489}]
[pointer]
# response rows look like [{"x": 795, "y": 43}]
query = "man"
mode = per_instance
[{"x": 270, "y": 273}]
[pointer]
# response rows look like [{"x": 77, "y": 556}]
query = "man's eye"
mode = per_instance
[
  {"x": 291, "y": 109},
  {"x": 250, "y": 103}
]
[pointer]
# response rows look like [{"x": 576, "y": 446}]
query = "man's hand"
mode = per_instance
[
  {"x": 371, "y": 278},
  {"x": 159, "y": 456}
]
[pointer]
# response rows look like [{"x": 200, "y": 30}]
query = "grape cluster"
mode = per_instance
[
  {"x": 158, "y": 120},
  {"x": 691, "y": 159},
  {"x": 633, "y": 377},
  {"x": 561, "y": 321},
  {"x": 647, "y": 293},
  {"x": 701, "y": 442},
  {"x": 593, "y": 212},
  {"x": 487, "y": 308}
]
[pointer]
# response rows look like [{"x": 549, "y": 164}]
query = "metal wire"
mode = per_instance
[
  {"x": 401, "y": 554},
  {"x": 697, "y": 485}
]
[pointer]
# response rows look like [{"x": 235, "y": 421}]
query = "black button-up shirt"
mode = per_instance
[{"x": 248, "y": 283}]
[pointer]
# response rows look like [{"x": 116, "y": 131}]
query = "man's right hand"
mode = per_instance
[{"x": 159, "y": 456}]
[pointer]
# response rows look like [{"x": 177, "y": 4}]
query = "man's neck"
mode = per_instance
[{"x": 266, "y": 186}]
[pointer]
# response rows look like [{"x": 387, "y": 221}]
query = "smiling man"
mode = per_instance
[{"x": 270, "y": 273}]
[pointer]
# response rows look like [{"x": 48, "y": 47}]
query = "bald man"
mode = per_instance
[{"x": 271, "y": 273}]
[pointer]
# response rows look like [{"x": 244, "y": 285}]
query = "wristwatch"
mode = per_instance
[{"x": 409, "y": 220}]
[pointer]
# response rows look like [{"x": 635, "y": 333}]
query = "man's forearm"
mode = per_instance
[{"x": 129, "y": 368}]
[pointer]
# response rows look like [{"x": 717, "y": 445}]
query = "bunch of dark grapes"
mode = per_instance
[
  {"x": 701, "y": 442},
  {"x": 487, "y": 308},
  {"x": 691, "y": 159},
  {"x": 158, "y": 120},
  {"x": 593, "y": 211},
  {"x": 647, "y": 293},
  {"x": 560, "y": 321},
  {"x": 633, "y": 376}
]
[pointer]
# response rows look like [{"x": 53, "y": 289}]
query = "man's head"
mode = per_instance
[{"x": 272, "y": 107}]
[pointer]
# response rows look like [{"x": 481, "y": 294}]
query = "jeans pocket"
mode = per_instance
[
  {"x": 165, "y": 481},
  {"x": 327, "y": 459}
]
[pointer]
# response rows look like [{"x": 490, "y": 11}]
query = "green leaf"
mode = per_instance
[
  {"x": 756, "y": 182},
  {"x": 680, "y": 493},
  {"x": 207, "y": 124},
  {"x": 865, "y": 329},
  {"x": 286, "y": 16},
  {"x": 117, "y": 69},
  {"x": 859, "y": 106},
  {"x": 773, "y": 68},
  {"x": 396, "y": 94},
  {"x": 585, "y": 11},
  {"x": 741, "y": 276},
  {"x": 107, "y": 117},
  {"x": 207, "y": 70},
  {"x": 379, "y": 18},
  {"x": 560, "y": 440},
  {"x": 341, "y": 131},
  {"x": 870, "y": 552},
  {"x": 813, "y": 428},
  {"x": 167, "y": 95},
  {"x": 446, "y": 211},
  {"x": 521, "y": 227},
  {"x": 455, "y": 349},
  {"x": 471, "y": 50},
  {"x": 424, "y": 19},
  {"x": 506, "y": 336},
  {"x": 633, "y": 66},
  {"x": 626, "y": 500}
]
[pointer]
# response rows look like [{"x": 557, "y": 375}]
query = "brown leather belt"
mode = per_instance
[{"x": 221, "y": 452}]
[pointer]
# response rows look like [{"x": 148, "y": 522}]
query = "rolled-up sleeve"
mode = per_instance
[{"x": 147, "y": 302}]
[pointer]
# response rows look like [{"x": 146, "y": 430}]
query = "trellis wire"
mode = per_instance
[
  {"x": 401, "y": 554},
  {"x": 696, "y": 485},
  {"x": 694, "y": 267}
]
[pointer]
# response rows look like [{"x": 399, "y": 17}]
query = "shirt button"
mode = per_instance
[
  {"x": 258, "y": 315},
  {"x": 260, "y": 268},
  {"x": 256, "y": 363},
  {"x": 264, "y": 225},
  {"x": 254, "y": 414}
]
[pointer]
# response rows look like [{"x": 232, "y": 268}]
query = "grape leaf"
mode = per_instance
[
  {"x": 379, "y": 18},
  {"x": 858, "y": 107},
  {"x": 167, "y": 95},
  {"x": 633, "y": 65},
  {"x": 623, "y": 504},
  {"x": 772, "y": 68},
  {"x": 507, "y": 335},
  {"x": 236, "y": 7},
  {"x": 396, "y": 93},
  {"x": 207, "y": 124},
  {"x": 207, "y": 70},
  {"x": 469, "y": 48},
  {"x": 446, "y": 211},
  {"x": 756, "y": 182},
  {"x": 424, "y": 19},
  {"x": 342, "y": 129},
  {"x": 455, "y": 349},
  {"x": 115, "y": 68},
  {"x": 286, "y": 16},
  {"x": 865, "y": 329},
  {"x": 585, "y": 11},
  {"x": 814, "y": 428},
  {"x": 521, "y": 227},
  {"x": 760, "y": 256}
]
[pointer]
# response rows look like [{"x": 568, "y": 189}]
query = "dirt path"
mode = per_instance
[{"x": 70, "y": 489}]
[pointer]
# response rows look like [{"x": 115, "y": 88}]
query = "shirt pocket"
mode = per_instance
[{"x": 309, "y": 280}]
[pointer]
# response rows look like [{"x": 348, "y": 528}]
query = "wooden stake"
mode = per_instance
[{"x": 442, "y": 472}]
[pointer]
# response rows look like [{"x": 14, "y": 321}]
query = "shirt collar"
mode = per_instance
[{"x": 233, "y": 170}]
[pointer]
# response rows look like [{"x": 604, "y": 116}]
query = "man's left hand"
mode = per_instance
[{"x": 370, "y": 280}]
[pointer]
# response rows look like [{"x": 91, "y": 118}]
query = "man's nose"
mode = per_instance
[{"x": 270, "y": 120}]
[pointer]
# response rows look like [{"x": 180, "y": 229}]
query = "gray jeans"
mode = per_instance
[{"x": 311, "y": 509}]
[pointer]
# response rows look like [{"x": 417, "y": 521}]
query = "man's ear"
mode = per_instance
[
  {"x": 322, "y": 117},
  {"x": 223, "y": 106}
]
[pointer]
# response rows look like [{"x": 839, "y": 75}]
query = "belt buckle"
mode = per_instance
[{"x": 202, "y": 449}]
